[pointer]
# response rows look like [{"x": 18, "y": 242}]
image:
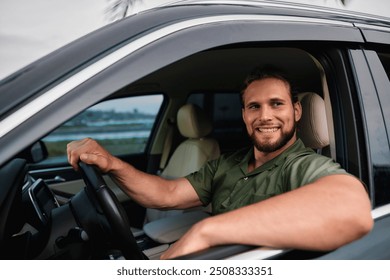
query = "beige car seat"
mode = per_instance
[
  {"x": 192, "y": 153},
  {"x": 313, "y": 127}
]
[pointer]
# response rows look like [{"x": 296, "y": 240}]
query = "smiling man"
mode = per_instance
[
  {"x": 278, "y": 193},
  {"x": 270, "y": 113}
]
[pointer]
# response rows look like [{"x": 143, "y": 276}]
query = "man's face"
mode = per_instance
[{"x": 269, "y": 114}]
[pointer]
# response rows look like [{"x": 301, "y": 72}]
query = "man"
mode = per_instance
[{"x": 278, "y": 194}]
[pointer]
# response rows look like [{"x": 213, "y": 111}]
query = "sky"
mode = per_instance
[
  {"x": 30, "y": 29},
  {"x": 149, "y": 104}
]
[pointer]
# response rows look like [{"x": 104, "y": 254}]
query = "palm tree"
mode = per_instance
[
  {"x": 343, "y": 2},
  {"x": 118, "y": 9}
]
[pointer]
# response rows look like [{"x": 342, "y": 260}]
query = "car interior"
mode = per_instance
[{"x": 200, "y": 119}]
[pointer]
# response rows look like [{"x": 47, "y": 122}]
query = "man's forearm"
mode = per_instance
[
  {"x": 148, "y": 190},
  {"x": 321, "y": 216},
  {"x": 153, "y": 191},
  {"x": 331, "y": 212}
]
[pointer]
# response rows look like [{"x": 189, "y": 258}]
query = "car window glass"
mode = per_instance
[
  {"x": 385, "y": 59},
  {"x": 122, "y": 126}
]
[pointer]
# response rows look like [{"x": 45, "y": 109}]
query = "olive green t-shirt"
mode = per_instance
[{"x": 227, "y": 184}]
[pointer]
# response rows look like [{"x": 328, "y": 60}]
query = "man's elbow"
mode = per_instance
[
  {"x": 358, "y": 215},
  {"x": 355, "y": 227},
  {"x": 351, "y": 230},
  {"x": 354, "y": 222},
  {"x": 364, "y": 225},
  {"x": 363, "y": 220}
]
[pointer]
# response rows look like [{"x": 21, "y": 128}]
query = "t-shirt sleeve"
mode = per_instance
[
  {"x": 304, "y": 170},
  {"x": 202, "y": 180}
]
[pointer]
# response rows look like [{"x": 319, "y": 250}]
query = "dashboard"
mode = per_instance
[{"x": 40, "y": 201}]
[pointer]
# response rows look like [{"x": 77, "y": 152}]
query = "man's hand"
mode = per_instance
[{"x": 90, "y": 152}]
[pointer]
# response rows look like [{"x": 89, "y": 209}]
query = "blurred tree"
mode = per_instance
[
  {"x": 118, "y": 9},
  {"x": 343, "y": 2}
]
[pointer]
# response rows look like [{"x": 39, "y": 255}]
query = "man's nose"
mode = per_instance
[{"x": 265, "y": 113}]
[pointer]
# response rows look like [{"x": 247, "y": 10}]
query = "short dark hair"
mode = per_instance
[{"x": 260, "y": 73}]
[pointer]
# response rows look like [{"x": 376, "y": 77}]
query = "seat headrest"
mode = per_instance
[
  {"x": 313, "y": 127},
  {"x": 193, "y": 122}
]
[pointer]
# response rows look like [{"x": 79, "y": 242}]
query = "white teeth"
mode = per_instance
[{"x": 267, "y": 130}]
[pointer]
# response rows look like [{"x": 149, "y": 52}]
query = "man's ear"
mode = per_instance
[{"x": 297, "y": 110}]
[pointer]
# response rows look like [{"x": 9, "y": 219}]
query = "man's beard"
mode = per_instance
[{"x": 269, "y": 147}]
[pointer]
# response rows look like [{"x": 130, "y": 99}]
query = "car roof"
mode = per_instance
[{"x": 327, "y": 12}]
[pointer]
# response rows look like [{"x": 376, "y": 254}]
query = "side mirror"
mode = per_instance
[
  {"x": 38, "y": 152},
  {"x": 34, "y": 153}
]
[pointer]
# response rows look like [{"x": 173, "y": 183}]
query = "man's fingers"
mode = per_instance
[
  {"x": 88, "y": 151},
  {"x": 73, "y": 158},
  {"x": 89, "y": 158},
  {"x": 100, "y": 161},
  {"x": 76, "y": 148}
]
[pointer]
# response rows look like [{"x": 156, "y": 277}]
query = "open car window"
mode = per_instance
[{"x": 123, "y": 126}]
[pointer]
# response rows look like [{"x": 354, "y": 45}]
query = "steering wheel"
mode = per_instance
[{"x": 112, "y": 210}]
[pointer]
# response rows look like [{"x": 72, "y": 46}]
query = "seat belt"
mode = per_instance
[{"x": 167, "y": 145}]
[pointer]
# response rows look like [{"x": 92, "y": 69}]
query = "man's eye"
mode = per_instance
[{"x": 277, "y": 104}]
